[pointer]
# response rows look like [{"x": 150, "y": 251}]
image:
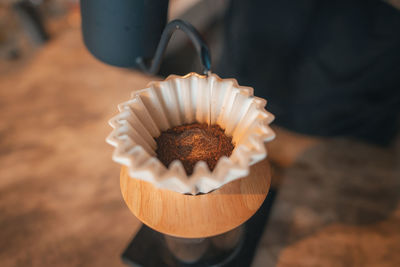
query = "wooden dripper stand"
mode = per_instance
[
  {"x": 194, "y": 224},
  {"x": 201, "y": 214}
]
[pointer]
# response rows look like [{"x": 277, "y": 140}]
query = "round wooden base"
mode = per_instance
[{"x": 197, "y": 216}]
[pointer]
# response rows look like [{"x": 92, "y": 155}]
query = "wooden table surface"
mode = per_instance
[
  {"x": 60, "y": 199},
  {"x": 61, "y": 205},
  {"x": 338, "y": 205}
]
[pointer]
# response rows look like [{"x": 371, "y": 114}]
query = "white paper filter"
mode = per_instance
[{"x": 181, "y": 100}]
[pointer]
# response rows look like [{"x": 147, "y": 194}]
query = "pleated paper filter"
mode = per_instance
[{"x": 182, "y": 100}]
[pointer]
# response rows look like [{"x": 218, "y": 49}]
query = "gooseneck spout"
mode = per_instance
[{"x": 151, "y": 66}]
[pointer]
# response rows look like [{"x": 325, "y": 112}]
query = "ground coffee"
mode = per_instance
[{"x": 191, "y": 143}]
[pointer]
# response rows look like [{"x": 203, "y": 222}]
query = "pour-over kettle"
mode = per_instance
[{"x": 134, "y": 33}]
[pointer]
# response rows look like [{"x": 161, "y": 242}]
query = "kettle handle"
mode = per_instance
[{"x": 152, "y": 66}]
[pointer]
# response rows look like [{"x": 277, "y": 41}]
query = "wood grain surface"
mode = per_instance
[
  {"x": 338, "y": 205},
  {"x": 60, "y": 200},
  {"x": 197, "y": 216}
]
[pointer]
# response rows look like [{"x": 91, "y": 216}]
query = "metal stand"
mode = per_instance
[{"x": 152, "y": 249}]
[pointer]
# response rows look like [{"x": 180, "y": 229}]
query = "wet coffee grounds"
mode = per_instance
[{"x": 191, "y": 143}]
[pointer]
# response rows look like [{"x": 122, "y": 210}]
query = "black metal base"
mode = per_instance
[{"x": 148, "y": 248}]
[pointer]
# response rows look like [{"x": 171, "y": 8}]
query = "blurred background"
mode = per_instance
[{"x": 330, "y": 71}]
